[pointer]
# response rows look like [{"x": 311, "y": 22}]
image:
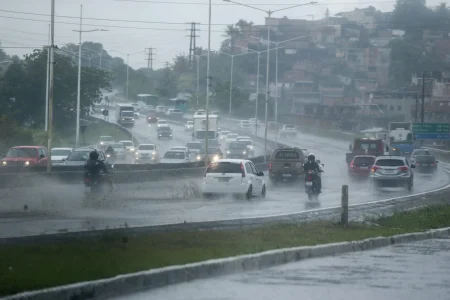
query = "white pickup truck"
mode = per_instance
[{"x": 288, "y": 130}]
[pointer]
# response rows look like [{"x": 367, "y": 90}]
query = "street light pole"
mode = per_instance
[
  {"x": 77, "y": 131},
  {"x": 269, "y": 13},
  {"x": 198, "y": 77},
  {"x": 208, "y": 78},
  {"x": 231, "y": 83},
  {"x": 128, "y": 67},
  {"x": 48, "y": 78},
  {"x": 51, "y": 87},
  {"x": 257, "y": 94}
]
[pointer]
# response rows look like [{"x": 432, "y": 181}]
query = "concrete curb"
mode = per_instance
[{"x": 129, "y": 283}]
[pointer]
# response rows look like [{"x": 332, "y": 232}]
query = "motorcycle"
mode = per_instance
[
  {"x": 311, "y": 185},
  {"x": 99, "y": 186}
]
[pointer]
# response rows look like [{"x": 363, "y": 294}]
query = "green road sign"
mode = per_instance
[{"x": 431, "y": 128}]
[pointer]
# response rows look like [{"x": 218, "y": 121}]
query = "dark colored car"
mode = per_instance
[
  {"x": 425, "y": 164},
  {"x": 237, "y": 150},
  {"x": 286, "y": 164},
  {"x": 214, "y": 154},
  {"x": 361, "y": 165},
  {"x": 164, "y": 132},
  {"x": 152, "y": 117}
]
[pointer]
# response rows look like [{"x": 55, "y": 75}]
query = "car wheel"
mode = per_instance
[
  {"x": 249, "y": 193},
  {"x": 263, "y": 192}
]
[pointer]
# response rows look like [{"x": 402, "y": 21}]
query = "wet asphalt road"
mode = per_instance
[
  {"x": 413, "y": 271},
  {"x": 59, "y": 208}
]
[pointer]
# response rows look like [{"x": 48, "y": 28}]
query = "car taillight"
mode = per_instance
[
  {"x": 375, "y": 168},
  {"x": 433, "y": 164},
  {"x": 352, "y": 164},
  {"x": 87, "y": 180},
  {"x": 310, "y": 178},
  {"x": 270, "y": 167},
  {"x": 242, "y": 170},
  {"x": 404, "y": 169},
  {"x": 417, "y": 164}
]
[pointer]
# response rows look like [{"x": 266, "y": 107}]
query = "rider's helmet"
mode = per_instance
[
  {"x": 311, "y": 157},
  {"x": 93, "y": 155}
]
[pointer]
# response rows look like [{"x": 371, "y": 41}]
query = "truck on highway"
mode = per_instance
[
  {"x": 364, "y": 146},
  {"x": 199, "y": 129},
  {"x": 400, "y": 138},
  {"x": 125, "y": 115}
]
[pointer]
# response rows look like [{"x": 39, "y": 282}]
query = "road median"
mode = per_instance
[{"x": 181, "y": 256}]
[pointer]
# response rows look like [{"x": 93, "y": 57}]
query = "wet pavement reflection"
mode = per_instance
[{"x": 412, "y": 271}]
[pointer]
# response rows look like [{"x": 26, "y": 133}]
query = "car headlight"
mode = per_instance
[
  {"x": 245, "y": 152},
  {"x": 27, "y": 163},
  {"x": 132, "y": 149},
  {"x": 228, "y": 152},
  {"x": 216, "y": 157},
  {"x": 153, "y": 153},
  {"x": 132, "y": 119},
  {"x": 4, "y": 163},
  {"x": 137, "y": 157},
  {"x": 198, "y": 157},
  {"x": 108, "y": 155},
  {"x": 170, "y": 135},
  {"x": 160, "y": 135},
  {"x": 101, "y": 143}
]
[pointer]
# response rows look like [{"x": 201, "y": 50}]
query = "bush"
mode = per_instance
[{"x": 11, "y": 134}]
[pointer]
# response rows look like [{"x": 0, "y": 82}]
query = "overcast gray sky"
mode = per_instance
[{"x": 25, "y": 22}]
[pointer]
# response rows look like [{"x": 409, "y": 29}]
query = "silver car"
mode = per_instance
[
  {"x": 392, "y": 171},
  {"x": 79, "y": 156}
]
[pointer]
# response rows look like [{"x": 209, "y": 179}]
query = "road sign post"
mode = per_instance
[{"x": 431, "y": 131}]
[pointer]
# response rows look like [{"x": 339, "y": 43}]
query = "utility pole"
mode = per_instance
[
  {"x": 422, "y": 113},
  {"x": 51, "y": 87},
  {"x": 192, "y": 42},
  {"x": 150, "y": 58},
  {"x": 48, "y": 78}
]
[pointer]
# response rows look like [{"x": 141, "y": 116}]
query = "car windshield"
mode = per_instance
[
  {"x": 194, "y": 145},
  {"x": 174, "y": 155},
  {"x": 232, "y": 136},
  {"x": 21, "y": 152},
  {"x": 364, "y": 160},
  {"x": 210, "y": 151},
  {"x": 287, "y": 154},
  {"x": 224, "y": 167},
  {"x": 390, "y": 163},
  {"x": 237, "y": 146},
  {"x": 224, "y": 133},
  {"x": 127, "y": 144},
  {"x": 425, "y": 159},
  {"x": 178, "y": 148},
  {"x": 290, "y": 127},
  {"x": 165, "y": 128},
  {"x": 421, "y": 152},
  {"x": 79, "y": 155},
  {"x": 245, "y": 142},
  {"x": 106, "y": 138},
  {"x": 190, "y": 122},
  {"x": 146, "y": 147},
  {"x": 162, "y": 122},
  {"x": 61, "y": 152},
  {"x": 117, "y": 146},
  {"x": 367, "y": 145},
  {"x": 127, "y": 114}
]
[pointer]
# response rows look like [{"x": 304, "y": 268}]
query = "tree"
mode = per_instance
[
  {"x": 231, "y": 34},
  {"x": 413, "y": 17}
]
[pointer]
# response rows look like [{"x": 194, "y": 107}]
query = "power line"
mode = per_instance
[
  {"x": 253, "y": 4},
  {"x": 192, "y": 42}
]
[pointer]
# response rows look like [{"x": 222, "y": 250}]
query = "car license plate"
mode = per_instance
[
  {"x": 364, "y": 168},
  {"x": 309, "y": 183},
  {"x": 224, "y": 179},
  {"x": 389, "y": 171},
  {"x": 425, "y": 165},
  {"x": 287, "y": 175}
]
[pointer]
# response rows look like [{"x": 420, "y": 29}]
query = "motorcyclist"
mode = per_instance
[
  {"x": 94, "y": 166},
  {"x": 312, "y": 165},
  {"x": 110, "y": 150}
]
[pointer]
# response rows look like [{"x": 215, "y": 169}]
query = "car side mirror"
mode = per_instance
[
  {"x": 413, "y": 166},
  {"x": 437, "y": 161},
  {"x": 260, "y": 173}
]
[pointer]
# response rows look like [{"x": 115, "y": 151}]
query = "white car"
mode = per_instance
[
  {"x": 231, "y": 137},
  {"x": 174, "y": 112},
  {"x": 119, "y": 150},
  {"x": 245, "y": 125},
  {"x": 181, "y": 148},
  {"x": 239, "y": 177},
  {"x": 59, "y": 155},
  {"x": 248, "y": 141},
  {"x": 162, "y": 123},
  {"x": 200, "y": 112},
  {"x": 175, "y": 157},
  {"x": 147, "y": 154},
  {"x": 189, "y": 126},
  {"x": 105, "y": 140},
  {"x": 223, "y": 134},
  {"x": 160, "y": 109},
  {"x": 253, "y": 121},
  {"x": 129, "y": 145}
]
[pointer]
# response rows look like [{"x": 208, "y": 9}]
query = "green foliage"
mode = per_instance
[{"x": 11, "y": 134}]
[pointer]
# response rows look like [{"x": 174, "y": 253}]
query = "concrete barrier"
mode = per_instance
[{"x": 156, "y": 278}]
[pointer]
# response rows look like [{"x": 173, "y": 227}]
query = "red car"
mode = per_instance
[
  {"x": 24, "y": 156},
  {"x": 152, "y": 118},
  {"x": 360, "y": 165}
]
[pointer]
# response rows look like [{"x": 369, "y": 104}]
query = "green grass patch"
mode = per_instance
[
  {"x": 30, "y": 267},
  {"x": 65, "y": 137}
]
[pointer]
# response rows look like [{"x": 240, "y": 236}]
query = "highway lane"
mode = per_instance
[
  {"x": 412, "y": 271},
  {"x": 150, "y": 208}
]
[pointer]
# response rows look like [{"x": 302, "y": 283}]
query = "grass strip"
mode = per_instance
[{"x": 30, "y": 267}]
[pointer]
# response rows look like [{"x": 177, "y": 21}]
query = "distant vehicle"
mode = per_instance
[
  {"x": 105, "y": 140},
  {"x": 361, "y": 165},
  {"x": 162, "y": 123},
  {"x": 147, "y": 154},
  {"x": 212, "y": 143},
  {"x": 160, "y": 109},
  {"x": 79, "y": 156},
  {"x": 288, "y": 130},
  {"x": 194, "y": 147},
  {"x": 189, "y": 126},
  {"x": 392, "y": 171},
  {"x": 199, "y": 131},
  {"x": 136, "y": 115},
  {"x": 214, "y": 154},
  {"x": 125, "y": 115},
  {"x": 237, "y": 150},
  {"x": 245, "y": 125},
  {"x": 150, "y": 108},
  {"x": 253, "y": 121},
  {"x": 400, "y": 138},
  {"x": 416, "y": 152},
  {"x": 181, "y": 148},
  {"x": 238, "y": 177},
  {"x": 164, "y": 132},
  {"x": 59, "y": 155},
  {"x": 286, "y": 164},
  {"x": 248, "y": 142},
  {"x": 152, "y": 117},
  {"x": 173, "y": 112},
  {"x": 426, "y": 164},
  {"x": 175, "y": 157},
  {"x": 223, "y": 134},
  {"x": 365, "y": 146},
  {"x": 119, "y": 150},
  {"x": 200, "y": 112},
  {"x": 24, "y": 156},
  {"x": 129, "y": 146},
  {"x": 231, "y": 137}
]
